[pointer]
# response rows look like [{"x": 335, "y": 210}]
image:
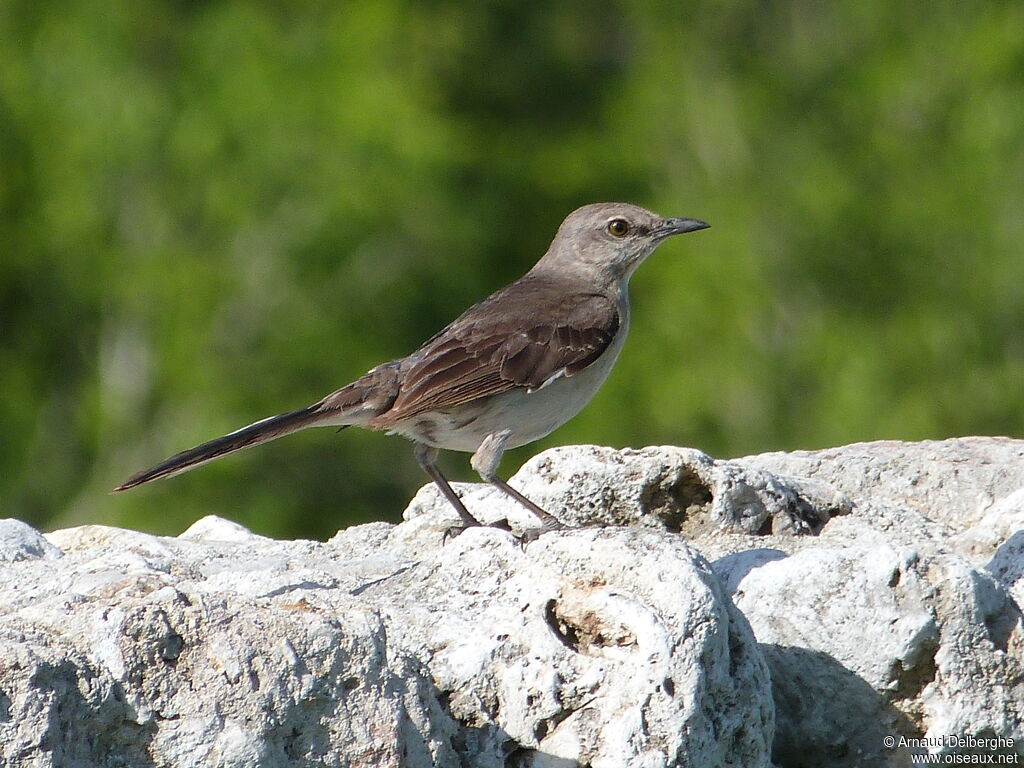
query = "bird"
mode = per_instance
[{"x": 508, "y": 371}]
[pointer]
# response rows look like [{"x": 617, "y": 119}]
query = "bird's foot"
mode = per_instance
[
  {"x": 456, "y": 530},
  {"x": 532, "y": 534}
]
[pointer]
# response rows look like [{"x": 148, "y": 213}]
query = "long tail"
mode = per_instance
[
  {"x": 354, "y": 404},
  {"x": 254, "y": 434}
]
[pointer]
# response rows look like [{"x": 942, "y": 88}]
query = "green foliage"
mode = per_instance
[{"x": 211, "y": 212}]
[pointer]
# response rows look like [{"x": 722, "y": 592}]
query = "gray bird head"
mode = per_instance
[{"x": 605, "y": 242}]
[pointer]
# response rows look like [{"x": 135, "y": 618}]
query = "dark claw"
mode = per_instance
[
  {"x": 455, "y": 530},
  {"x": 452, "y": 532},
  {"x": 532, "y": 534}
]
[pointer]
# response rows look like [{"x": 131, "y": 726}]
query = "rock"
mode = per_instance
[
  {"x": 213, "y": 528},
  {"x": 907, "y": 609},
  {"x": 998, "y": 523},
  {"x": 678, "y": 489},
  {"x": 381, "y": 647},
  {"x": 882, "y": 581},
  {"x": 941, "y": 519},
  {"x": 1007, "y": 565},
  {"x": 20, "y": 541},
  {"x": 885, "y": 632},
  {"x": 951, "y": 481}
]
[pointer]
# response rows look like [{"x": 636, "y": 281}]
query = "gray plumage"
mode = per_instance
[{"x": 508, "y": 371}]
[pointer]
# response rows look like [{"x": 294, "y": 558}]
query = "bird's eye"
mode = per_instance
[{"x": 618, "y": 227}]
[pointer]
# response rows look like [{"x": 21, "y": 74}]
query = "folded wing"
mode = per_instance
[{"x": 544, "y": 331}]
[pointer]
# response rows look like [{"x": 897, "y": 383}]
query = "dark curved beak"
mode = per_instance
[{"x": 669, "y": 227}]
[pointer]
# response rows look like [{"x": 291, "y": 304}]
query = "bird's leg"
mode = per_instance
[
  {"x": 427, "y": 458},
  {"x": 486, "y": 460}
]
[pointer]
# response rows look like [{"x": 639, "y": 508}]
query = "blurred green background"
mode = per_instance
[{"x": 215, "y": 211}]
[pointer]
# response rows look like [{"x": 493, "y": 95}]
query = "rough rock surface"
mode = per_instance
[
  {"x": 883, "y": 582},
  {"x": 382, "y": 647}
]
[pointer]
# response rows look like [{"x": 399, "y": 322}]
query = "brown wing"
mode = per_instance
[{"x": 523, "y": 336}]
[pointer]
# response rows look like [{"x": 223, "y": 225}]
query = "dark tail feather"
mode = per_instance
[{"x": 254, "y": 434}]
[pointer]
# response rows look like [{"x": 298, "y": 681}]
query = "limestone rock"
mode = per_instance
[
  {"x": 943, "y": 521},
  {"x": 382, "y": 647},
  {"x": 20, "y": 541},
  {"x": 952, "y": 481},
  {"x": 678, "y": 489},
  {"x": 882, "y": 581}
]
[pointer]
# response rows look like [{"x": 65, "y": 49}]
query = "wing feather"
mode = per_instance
[{"x": 521, "y": 337}]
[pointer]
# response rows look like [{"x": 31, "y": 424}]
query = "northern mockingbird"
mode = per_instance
[{"x": 509, "y": 371}]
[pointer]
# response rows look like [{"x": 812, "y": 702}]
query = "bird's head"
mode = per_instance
[{"x": 607, "y": 241}]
